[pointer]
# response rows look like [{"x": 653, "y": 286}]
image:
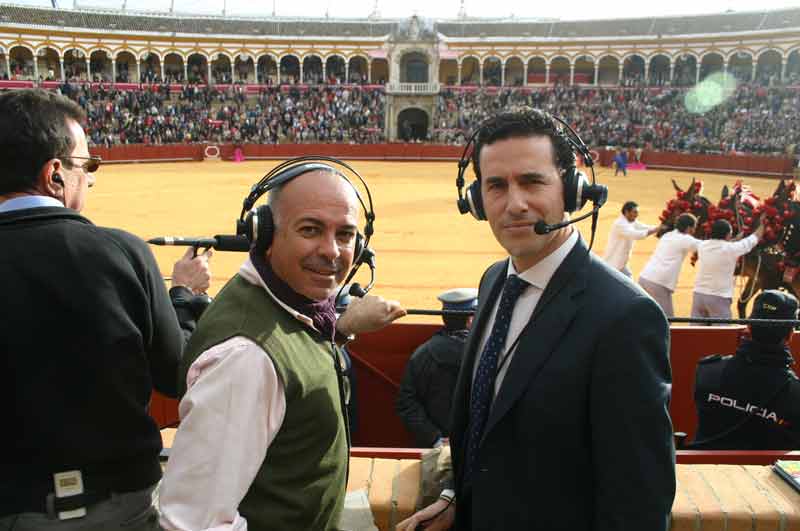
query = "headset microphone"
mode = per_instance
[
  {"x": 543, "y": 228},
  {"x": 596, "y": 193}
]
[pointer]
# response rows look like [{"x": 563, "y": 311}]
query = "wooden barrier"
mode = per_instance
[
  {"x": 733, "y": 457},
  {"x": 717, "y": 497},
  {"x": 736, "y": 164},
  {"x": 742, "y": 493},
  {"x": 755, "y": 165},
  {"x": 379, "y": 360}
]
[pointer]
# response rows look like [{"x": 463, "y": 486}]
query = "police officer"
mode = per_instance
[
  {"x": 426, "y": 391},
  {"x": 751, "y": 400}
]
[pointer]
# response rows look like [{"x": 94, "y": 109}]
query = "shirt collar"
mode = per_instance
[
  {"x": 539, "y": 274},
  {"x": 249, "y": 273},
  {"x": 29, "y": 201}
]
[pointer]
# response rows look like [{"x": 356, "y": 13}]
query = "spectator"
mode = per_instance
[{"x": 753, "y": 120}]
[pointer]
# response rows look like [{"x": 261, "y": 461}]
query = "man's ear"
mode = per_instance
[{"x": 50, "y": 180}]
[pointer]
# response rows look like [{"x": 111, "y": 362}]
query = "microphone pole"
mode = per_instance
[{"x": 220, "y": 242}]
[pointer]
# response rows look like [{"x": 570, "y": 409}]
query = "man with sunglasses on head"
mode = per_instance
[{"x": 86, "y": 332}]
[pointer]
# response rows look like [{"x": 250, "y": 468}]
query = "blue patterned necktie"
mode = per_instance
[{"x": 483, "y": 384}]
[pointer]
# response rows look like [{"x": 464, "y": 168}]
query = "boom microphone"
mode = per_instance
[
  {"x": 220, "y": 242},
  {"x": 596, "y": 193},
  {"x": 543, "y": 228}
]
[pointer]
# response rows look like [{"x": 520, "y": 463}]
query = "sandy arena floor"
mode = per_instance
[{"x": 423, "y": 245}]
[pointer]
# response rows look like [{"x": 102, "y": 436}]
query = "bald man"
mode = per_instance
[{"x": 262, "y": 442}]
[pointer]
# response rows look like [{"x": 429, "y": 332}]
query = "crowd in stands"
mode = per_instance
[
  {"x": 199, "y": 114},
  {"x": 754, "y": 119}
]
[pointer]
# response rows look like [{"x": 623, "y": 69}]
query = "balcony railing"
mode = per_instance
[{"x": 412, "y": 88}]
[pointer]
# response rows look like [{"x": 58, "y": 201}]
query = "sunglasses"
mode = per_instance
[{"x": 91, "y": 165}]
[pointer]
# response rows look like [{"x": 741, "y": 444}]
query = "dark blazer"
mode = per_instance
[
  {"x": 579, "y": 436},
  {"x": 758, "y": 377}
]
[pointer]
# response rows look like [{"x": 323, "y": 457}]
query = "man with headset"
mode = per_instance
[
  {"x": 262, "y": 442},
  {"x": 86, "y": 332},
  {"x": 560, "y": 414},
  {"x": 751, "y": 400}
]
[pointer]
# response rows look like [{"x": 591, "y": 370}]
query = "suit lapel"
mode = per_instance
[
  {"x": 553, "y": 314},
  {"x": 491, "y": 286}
]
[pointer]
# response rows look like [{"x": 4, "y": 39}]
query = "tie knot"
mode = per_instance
[{"x": 514, "y": 287}]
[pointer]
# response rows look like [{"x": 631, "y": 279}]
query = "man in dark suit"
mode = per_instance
[{"x": 560, "y": 414}]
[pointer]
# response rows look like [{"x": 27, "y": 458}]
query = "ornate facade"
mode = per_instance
[{"x": 413, "y": 58}]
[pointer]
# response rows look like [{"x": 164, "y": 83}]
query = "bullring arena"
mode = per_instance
[
  {"x": 710, "y": 97},
  {"x": 423, "y": 245}
]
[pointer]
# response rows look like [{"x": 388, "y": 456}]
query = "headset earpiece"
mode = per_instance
[
  {"x": 259, "y": 227},
  {"x": 474, "y": 201},
  {"x": 58, "y": 179},
  {"x": 576, "y": 186}
]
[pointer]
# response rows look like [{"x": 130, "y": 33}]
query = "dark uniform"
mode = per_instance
[
  {"x": 426, "y": 392},
  {"x": 749, "y": 401},
  {"x": 427, "y": 388}
]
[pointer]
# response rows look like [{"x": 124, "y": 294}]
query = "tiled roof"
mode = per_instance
[{"x": 467, "y": 28}]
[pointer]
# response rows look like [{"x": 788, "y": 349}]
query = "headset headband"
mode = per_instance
[
  {"x": 289, "y": 169},
  {"x": 292, "y": 168}
]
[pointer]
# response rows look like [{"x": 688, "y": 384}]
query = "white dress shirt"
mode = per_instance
[
  {"x": 716, "y": 262},
  {"x": 29, "y": 201},
  {"x": 538, "y": 276},
  {"x": 620, "y": 241},
  {"x": 233, "y": 408},
  {"x": 664, "y": 265}
]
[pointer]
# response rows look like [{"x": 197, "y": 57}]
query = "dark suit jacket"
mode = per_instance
[{"x": 579, "y": 436}]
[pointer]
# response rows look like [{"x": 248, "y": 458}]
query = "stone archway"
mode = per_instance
[
  {"x": 412, "y": 124},
  {"x": 414, "y": 68}
]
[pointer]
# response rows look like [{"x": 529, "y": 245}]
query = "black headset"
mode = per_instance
[
  {"x": 577, "y": 189},
  {"x": 258, "y": 225}
]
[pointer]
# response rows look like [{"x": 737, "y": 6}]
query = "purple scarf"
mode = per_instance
[{"x": 322, "y": 313}]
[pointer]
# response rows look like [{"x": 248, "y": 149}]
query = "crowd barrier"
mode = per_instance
[
  {"x": 752, "y": 165},
  {"x": 379, "y": 360},
  {"x": 741, "y": 164}
]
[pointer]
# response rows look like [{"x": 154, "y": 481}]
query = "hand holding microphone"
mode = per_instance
[{"x": 192, "y": 271}]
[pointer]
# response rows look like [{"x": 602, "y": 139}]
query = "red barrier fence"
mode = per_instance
[
  {"x": 379, "y": 360},
  {"x": 736, "y": 164},
  {"x": 145, "y": 153},
  {"x": 743, "y": 164}
]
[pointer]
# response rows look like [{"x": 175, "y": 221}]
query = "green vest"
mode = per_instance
[{"x": 301, "y": 483}]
